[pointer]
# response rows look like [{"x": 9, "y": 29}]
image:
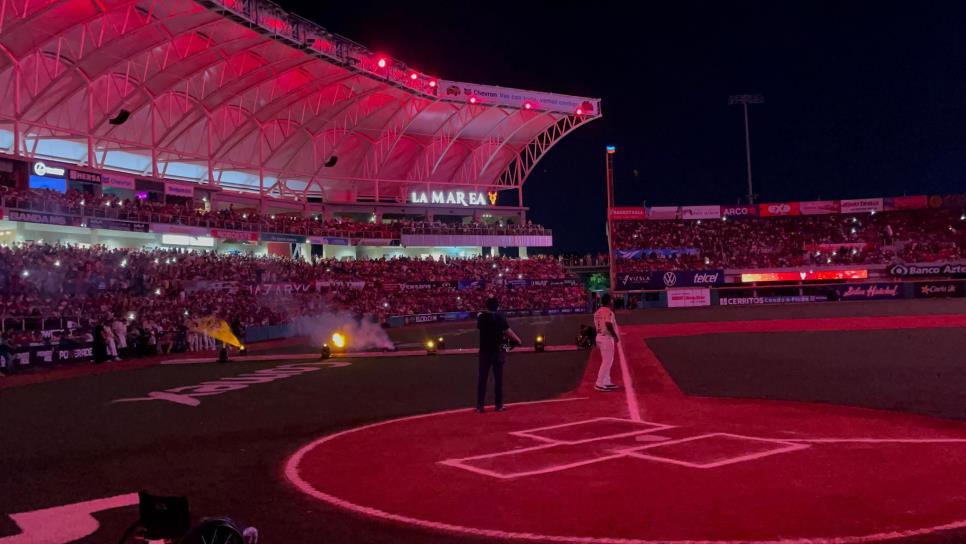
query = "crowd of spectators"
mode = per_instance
[
  {"x": 926, "y": 235},
  {"x": 156, "y": 294},
  {"x": 189, "y": 212}
]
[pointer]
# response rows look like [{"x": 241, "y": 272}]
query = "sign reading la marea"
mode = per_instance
[{"x": 456, "y": 198}]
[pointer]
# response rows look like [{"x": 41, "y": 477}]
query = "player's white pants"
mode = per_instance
[{"x": 606, "y": 345}]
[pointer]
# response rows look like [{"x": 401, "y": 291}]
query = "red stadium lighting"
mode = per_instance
[
  {"x": 432, "y": 83},
  {"x": 414, "y": 76},
  {"x": 472, "y": 100},
  {"x": 381, "y": 62},
  {"x": 527, "y": 105},
  {"x": 579, "y": 111}
]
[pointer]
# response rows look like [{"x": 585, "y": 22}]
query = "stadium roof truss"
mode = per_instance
[{"x": 242, "y": 95}]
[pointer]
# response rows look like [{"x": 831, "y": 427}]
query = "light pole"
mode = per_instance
[
  {"x": 744, "y": 100},
  {"x": 610, "y": 151}
]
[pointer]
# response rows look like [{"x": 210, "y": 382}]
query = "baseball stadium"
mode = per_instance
[{"x": 261, "y": 283}]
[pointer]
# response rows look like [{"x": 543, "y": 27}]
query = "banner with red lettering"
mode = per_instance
[
  {"x": 778, "y": 209},
  {"x": 700, "y": 212},
  {"x": 739, "y": 211},
  {"x": 627, "y": 214},
  {"x": 819, "y": 207}
]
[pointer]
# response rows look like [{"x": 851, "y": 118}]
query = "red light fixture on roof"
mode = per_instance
[
  {"x": 472, "y": 100},
  {"x": 527, "y": 105},
  {"x": 381, "y": 62},
  {"x": 414, "y": 76},
  {"x": 579, "y": 111},
  {"x": 432, "y": 83}
]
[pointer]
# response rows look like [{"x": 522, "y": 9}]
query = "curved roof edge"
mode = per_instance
[{"x": 311, "y": 37}]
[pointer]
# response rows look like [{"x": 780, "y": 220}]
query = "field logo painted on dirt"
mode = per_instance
[{"x": 188, "y": 395}]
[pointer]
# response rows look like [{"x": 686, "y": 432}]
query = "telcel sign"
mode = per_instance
[{"x": 456, "y": 198}]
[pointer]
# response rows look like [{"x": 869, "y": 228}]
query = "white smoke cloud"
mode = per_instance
[{"x": 363, "y": 334}]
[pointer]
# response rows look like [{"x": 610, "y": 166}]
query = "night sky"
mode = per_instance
[{"x": 862, "y": 98}]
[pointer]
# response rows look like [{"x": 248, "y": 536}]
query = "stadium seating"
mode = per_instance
[
  {"x": 105, "y": 206},
  {"x": 925, "y": 235},
  {"x": 46, "y": 286}
]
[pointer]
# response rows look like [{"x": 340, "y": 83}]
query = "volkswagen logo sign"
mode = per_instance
[{"x": 670, "y": 278}]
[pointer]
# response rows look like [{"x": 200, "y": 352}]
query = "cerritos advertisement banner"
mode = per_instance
[
  {"x": 502, "y": 96},
  {"x": 700, "y": 212},
  {"x": 628, "y": 214},
  {"x": 179, "y": 189},
  {"x": 739, "y": 211},
  {"x": 775, "y": 209},
  {"x": 819, "y": 207},
  {"x": 862, "y": 205}
]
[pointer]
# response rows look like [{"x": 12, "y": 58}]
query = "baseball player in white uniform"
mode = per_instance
[{"x": 607, "y": 340}]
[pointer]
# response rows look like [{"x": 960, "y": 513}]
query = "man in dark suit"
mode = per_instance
[{"x": 495, "y": 332}]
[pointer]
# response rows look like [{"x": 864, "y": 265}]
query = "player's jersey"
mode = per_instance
[{"x": 603, "y": 316}]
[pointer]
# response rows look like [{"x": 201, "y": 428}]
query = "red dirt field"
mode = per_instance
[{"x": 649, "y": 464}]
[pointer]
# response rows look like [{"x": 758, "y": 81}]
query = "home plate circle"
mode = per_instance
[{"x": 693, "y": 470}]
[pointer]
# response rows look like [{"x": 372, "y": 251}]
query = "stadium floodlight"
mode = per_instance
[
  {"x": 744, "y": 100},
  {"x": 381, "y": 62}
]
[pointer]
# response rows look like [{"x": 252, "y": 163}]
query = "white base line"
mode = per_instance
[{"x": 634, "y": 410}]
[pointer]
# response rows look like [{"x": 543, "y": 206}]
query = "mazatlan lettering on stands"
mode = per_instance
[
  {"x": 630, "y": 281},
  {"x": 938, "y": 269}
]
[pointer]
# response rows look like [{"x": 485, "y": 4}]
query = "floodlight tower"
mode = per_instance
[
  {"x": 744, "y": 100},
  {"x": 610, "y": 151}
]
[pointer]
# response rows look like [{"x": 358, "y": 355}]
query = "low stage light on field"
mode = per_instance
[
  {"x": 326, "y": 351},
  {"x": 538, "y": 344},
  {"x": 440, "y": 343},
  {"x": 430, "y": 347},
  {"x": 339, "y": 340}
]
